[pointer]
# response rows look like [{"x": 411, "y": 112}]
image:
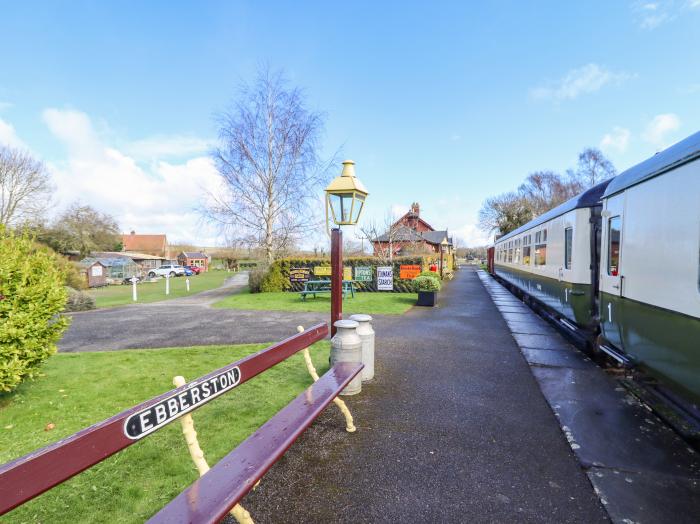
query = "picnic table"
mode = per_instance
[{"x": 320, "y": 287}]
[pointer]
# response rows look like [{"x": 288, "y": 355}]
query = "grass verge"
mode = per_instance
[
  {"x": 370, "y": 303},
  {"x": 113, "y": 296},
  {"x": 80, "y": 389}
]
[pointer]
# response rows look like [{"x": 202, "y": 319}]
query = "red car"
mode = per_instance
[{"x": 195, "y": 269}]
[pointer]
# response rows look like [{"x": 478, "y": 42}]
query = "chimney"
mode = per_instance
[
  {"x": 415, "y": 209},
  {"x": 133, "y": 232}
]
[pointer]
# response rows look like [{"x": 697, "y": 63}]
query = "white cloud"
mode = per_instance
[
  {"x": 617, "y": 139},
  {"x": 659, "y": 127},
  {"x": 583, "y": 80},
  {"x": 167, "y": 147},
  {"x": 471, "y": 236},
  {"x": 8, "y": 136},
  {"x": 160, "y": 198},
  {"x": 694, "y": 4}
]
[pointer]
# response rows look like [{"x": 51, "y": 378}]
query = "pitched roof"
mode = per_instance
[
  {"x": 194, "y": 254},
  {"x": 406, "y": 234},
  {"x": 126, "y": 254},
  {"x": 134, "y": 242}
]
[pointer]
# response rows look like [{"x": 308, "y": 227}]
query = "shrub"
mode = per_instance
[
  {"x": 273, "y": 280},
  {"x": 79, "y": 300},
  {"x": 255, "y": 279},
  {"x": 425, "y": 283},
  {"x": 31, "y": 297},
  {"x": 430, "y": 274}
]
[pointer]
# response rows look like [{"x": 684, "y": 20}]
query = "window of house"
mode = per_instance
[
  {"x": 614, "y": 224},
  {"x": 568, "y": 239}
]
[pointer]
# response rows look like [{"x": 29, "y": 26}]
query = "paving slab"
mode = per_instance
[
  {"x": 550, "y": 341},
  {"x": 555, "y": 358}
]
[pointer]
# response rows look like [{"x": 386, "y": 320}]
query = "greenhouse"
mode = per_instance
[{"x": 117, "y": 268}]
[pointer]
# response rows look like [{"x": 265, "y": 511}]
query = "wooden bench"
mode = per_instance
[
  {"x": 211, "y": 496},
  {"x": 227, "y": 482},
  {"x": 321, "y": 287}
]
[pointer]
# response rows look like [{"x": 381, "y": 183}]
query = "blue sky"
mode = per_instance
[{"x": 444, "y": 103}]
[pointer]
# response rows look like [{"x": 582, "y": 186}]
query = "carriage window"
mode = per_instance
[
  {"x": 526, "y": 255},
  {"x": 540, "y": 254},
  {"x": 544, "y": 235},
  {"x": 614, "y": 224},
  {"x": 568, "y": 238}
]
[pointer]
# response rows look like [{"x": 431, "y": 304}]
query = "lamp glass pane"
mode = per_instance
[
  {"x": 359, "y": 202},
  {"x": 345, "y": 208},
  {"x": 334, "y": 202}
]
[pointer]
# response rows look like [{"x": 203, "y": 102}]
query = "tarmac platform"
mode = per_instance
[{"x": 480, "y": 412}]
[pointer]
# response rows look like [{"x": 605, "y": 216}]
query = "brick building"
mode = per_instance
[{"x": 411, "y": 234}]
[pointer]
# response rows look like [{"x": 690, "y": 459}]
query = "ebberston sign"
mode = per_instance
[{"x": 197, "y": 393}]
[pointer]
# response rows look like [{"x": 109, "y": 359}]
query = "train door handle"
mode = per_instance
[{"x": 616, "y": 286}]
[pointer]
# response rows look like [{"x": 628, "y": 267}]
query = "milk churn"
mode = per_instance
[
  {"x": 367, "y": 336},
  {"x": 346, "y": 346}
]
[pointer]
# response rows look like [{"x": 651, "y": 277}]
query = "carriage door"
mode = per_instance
[{"x": 611, "y": 277}]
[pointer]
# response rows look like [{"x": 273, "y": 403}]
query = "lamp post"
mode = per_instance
[
  {"x": 345, "y": 199},
  {"x": 443, "y": 246}
]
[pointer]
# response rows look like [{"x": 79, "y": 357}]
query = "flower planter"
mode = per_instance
[{"x": 427, "y": 298}]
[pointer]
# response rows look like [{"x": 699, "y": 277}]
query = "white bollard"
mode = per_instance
[
  {"x": 134, "y": 295},
  {"x": 187, "y": 284},
  {"x": 346, "y": 346},
  {"x": 167, "y": 284},
  {"x": 367, "y": 336}
]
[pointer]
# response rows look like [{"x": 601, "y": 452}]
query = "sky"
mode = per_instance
[{"x": 443, "y": 103}]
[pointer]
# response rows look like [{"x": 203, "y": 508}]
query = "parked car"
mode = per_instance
[
  {"x": 195, "y": 269},
  {"x": 189, "y": 272},
  {"x": 174, "y": 270}
]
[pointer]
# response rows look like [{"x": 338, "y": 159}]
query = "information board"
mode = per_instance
[
  {"x": 385, "y": 278},
  {"x": 363, "y": 273},
  {"x": 325, "y": 271},
  {"x": 409, "y": 272},
  {"x": 299, "y": 274}
]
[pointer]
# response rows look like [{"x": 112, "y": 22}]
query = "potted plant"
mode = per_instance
[{"x": 427, "y": 288}]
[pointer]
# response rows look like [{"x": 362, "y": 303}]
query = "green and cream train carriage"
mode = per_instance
[
  {"x": 650, "y": 265},
  {"x": 622, "y": 261},
  {"x": 552, "y": 259}
]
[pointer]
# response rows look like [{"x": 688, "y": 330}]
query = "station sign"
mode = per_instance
[
  {"x": 385, "y": 278},
  {"x": 299, "y": 274},
  {"x": 197, "y": 393},
  {"x": 363, "y": 273},
  {"x": 325, "y": 271},
  {"x": 409, "y": 272}
]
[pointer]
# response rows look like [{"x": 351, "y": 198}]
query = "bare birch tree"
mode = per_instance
[
  {"x": 25, "y": 187},
  {"x": 391, "y": 233},
  {"x": 269, "y": 165}
]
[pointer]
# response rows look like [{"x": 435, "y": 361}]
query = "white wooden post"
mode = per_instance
[
  {"x": 167, "y": 283},
  {"x": 134, "y": 294},
  {"x": 187, "y": 284}
]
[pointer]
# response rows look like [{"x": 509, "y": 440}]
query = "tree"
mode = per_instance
[
  {"x": 544, "y": 190},
  {"x": 593, "y": 167},
  {"x": 84, "y": 229},
  {"x": 269, "y": 166},
  {"x": 25, "y": 187},
  {"x": 32, "y": 295},
  {"x": 505, "y": 213},
  {"x": 392, "y": 232}
]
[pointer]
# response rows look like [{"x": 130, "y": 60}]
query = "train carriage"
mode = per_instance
[
  {"x": 650, "y": 265},
  {"x": 553, "y": 259}
]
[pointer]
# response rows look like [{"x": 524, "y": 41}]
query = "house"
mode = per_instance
[
  {"x": 193, "y": 258},
  {"x": 411, "y": 234},
  {"x": 156, "y": 245},
  {"x": 96, "y": 274}
]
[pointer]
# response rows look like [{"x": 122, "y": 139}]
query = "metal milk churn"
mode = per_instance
[
  {"x": 346, "y": 346},
  {"x": 367, "y": 336}
]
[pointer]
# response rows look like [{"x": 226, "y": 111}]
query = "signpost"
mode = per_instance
[
  {"x": 299, "y": 274},
  {"x": 187, "y": 284},
  {"x": 385, "y": 278},
  {"x": 325, "y": 271},
  {"x": 167, "y": 284},
  {"x": 363, "y": 273},
  {"x": 409, "y": 272}
]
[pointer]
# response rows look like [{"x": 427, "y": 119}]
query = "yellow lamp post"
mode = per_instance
[
  {"x": 345, "y": 199},
  {"x": 443, "y": 246}
]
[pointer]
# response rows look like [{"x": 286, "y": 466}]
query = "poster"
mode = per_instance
[
  {"x": 363, "y": 273},
  {"x": 325, "y": 271},
  {"x": 96, "y": 270},
  {"x": 385, "y": 278},
  {"x": 299, "y": 274},
  {"x": 409, "y": 272}
]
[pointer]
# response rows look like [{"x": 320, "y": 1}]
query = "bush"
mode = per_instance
[
  {"x": 255, "y": 279},
  {"x": 430, "y": 274},
  {"x": 425, "y": 283},
  {"x": 78, "y": 300},
  {"x": 31, "y": 297},
  {"x": 273, "y": 280}
]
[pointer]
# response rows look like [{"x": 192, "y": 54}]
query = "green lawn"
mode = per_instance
[
  {"x": 370, "y": 303},
  {"x": 113, "y": 296},
  {"x": 84, "y": 388}
]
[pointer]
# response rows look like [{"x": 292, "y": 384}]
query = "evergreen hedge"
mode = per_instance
[{"x": 32, "y": 295}]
